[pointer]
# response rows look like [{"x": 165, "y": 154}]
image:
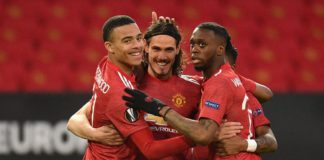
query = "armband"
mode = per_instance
[{"x": 252, "y": 145}]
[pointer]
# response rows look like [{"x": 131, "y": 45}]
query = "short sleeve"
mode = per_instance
[
  {"x": 259, "y": 118},
  {"x": 248, "y": 84},
  {"x": 126, "y": 120},
  {"x": 215, "y": 98}
]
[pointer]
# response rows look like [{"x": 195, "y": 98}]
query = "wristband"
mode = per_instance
[
  {"x": 166, "y": 112},
  {"x": 252, "y": 145}
]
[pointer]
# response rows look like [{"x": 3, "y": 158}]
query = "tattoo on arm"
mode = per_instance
[
  {"x": 266, "y": 140},
  {"x": 206, "y": 123}
]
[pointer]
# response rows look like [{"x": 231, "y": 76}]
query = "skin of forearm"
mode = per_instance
[
  {"x": 84, "y": 130},
  {"x": 79, "y": 124},
  {"x": 262, "y": 93},
  {"x": 266, "y": 143},
  {"x": 200, "y": 132}
]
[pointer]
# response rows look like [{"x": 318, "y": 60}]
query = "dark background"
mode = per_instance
[{"x": 296, "y": 121}]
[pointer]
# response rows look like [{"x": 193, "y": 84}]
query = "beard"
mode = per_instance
[
  {"x": 200, "y": 68},
  {"x": 162, "y": 74}
]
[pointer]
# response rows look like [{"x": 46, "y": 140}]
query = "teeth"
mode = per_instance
[
  {"x": 135, "y": 54},
  {"x": 162, "y": 63}
]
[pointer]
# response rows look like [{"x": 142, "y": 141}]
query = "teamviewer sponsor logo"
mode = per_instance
[{"x": 212, "y": 104}]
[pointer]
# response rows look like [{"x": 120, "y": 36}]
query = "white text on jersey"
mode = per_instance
[
  {"x": 237, "y": 82},
  {"x": 103, "y": 86}
]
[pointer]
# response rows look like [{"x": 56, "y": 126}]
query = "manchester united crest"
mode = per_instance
[{"x": 178, "y": 100}]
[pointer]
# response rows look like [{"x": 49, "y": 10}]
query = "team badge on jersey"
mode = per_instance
[
  {"x": 212, "y": 104},
  {"x": 178, "y": 100},
  {"x": 131, "y": 115}
]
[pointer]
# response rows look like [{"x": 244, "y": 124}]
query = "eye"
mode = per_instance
[
  {"x": 202, "y": 44},
  {"x": 191, "y": 44},
  {"x": 170, "y": 50},
  {"x": 139, "y": 38},
  {"x": 127, "y": 40}
]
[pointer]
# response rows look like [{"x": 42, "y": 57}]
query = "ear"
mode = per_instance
[
  {"x": 178, "y": 50},
  {"x": 109, "y": 47},
  {"x": 233, "y": 66},
  {"x": 220, "y": 50},
  {"x": 146, "y": 46}
]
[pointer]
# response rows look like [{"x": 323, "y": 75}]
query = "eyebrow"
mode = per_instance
[
  {"x": 167, "y": 48},
  {"x": 197, "y": 40},
  {"x": 130, "y": 37},
  {"x": 156, "y": 47},
  {"x": 170, "y": 48},
  {"x": 127, "y": 37}
]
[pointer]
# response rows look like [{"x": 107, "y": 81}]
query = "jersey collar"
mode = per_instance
[
  {"x": 117, "y": 69},
  {"x": 224, "y": 67}
]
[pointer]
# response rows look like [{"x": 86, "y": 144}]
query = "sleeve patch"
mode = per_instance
[
  {"x": 131, "y": 115},
  {"x": 257, "y": 112},
  {"x": 211, "y": 104}
]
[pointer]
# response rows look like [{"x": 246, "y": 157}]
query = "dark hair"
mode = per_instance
[
  {"x": 232, "y": 54},
  {"x": 218, "y": 30},
  {"x": 114, "y": 22},
  {"x": 163, "y": 28},
  {"x": 170, "y": 29}
]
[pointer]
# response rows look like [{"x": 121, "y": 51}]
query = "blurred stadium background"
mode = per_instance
[{"x": 49, "y": 50}]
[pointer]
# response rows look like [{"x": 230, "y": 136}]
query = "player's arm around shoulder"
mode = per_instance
[
  {"x": 79, "y": 125},
  {"x": 81, "y": 117}
]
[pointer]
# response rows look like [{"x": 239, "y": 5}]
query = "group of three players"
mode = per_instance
[{"x": 212, "y": 117}]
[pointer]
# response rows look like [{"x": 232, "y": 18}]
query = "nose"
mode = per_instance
[
  {"x": 162, "y": 55},
  {"x": 194, "y": 49},
  {"x": 139, "y": 44}
]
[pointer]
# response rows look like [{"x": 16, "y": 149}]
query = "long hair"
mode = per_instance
[{"x": 170, "y": 29}]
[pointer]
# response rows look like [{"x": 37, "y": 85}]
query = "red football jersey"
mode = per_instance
[
  {"x": 107, "y": 107},
  {"x": 180, "y": 93},
  {"x": 224, "y": 97},
  {"x": 259, "y": 119}
]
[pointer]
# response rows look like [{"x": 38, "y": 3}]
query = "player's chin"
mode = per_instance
[
  {"x": 199, "y": 67},
  {"x": 163, "y": 70},
  {"x": 135, "y": 60}
]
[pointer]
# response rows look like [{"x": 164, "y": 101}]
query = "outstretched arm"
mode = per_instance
[
  {"x": 200, "y": 131},
  {"x": 79, "y": 125}
]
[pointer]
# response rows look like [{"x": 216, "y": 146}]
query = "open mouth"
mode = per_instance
[
  {"x": 136, "y": 54},
  {"x": 162, "y": 64}
]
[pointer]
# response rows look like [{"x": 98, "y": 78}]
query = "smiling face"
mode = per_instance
[
  {"x": 126, "y": 46},
  {"x": 162, "y": 51}
]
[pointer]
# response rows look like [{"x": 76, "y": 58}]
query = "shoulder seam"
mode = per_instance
[{"x": 189, "y": 79}]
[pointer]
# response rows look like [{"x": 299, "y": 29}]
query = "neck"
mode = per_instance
[
  {"x": 207, "y": 73},
  {"x": 128, "y": 69}
]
